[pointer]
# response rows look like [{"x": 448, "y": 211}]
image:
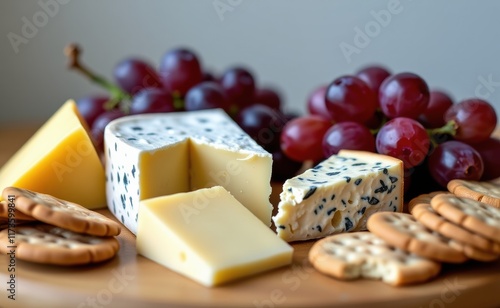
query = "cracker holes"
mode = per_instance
[{"x": 336, "y": 242}]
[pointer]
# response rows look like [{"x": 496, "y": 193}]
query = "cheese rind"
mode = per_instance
[
  {"x": 153, "y": 155},
  {"x": 208, "y": 236},
  {"x": 59, "y": 160},
  {"x": 339, "y": 195}
]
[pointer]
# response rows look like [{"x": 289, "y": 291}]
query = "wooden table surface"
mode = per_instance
[{"x": 130, "y": 280}]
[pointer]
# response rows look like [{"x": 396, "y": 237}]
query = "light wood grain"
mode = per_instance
[{"x": 130, "y": 280}]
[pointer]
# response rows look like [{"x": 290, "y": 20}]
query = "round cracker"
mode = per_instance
[
  {"x": 403, "y": 231},
  {"x": 473, "y": 215},
  {"x": 426, "y": 215},
  {"x": 474, "y": 253},
  {"x": 46, "y": 244},
  {"x": 61, "y": 213},
  {"x": 485, "y": 192},
  {"x": 422, "y": 199},
  {"x": 363, "y": 254},
  {"x": 4, "y": 212}
]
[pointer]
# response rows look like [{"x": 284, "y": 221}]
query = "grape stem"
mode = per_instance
[
  {"x": 449, "y": 128},
  {"x": 178, "y": 101},
  {"x": 118, "y": 96}
]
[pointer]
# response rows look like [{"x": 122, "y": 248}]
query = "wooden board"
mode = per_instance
[{"x": 130, "y": 280}]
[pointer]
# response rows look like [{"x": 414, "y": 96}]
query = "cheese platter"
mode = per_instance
[
  {"x": 130, "y": 280},
  {"x": 197, "y": 191}
]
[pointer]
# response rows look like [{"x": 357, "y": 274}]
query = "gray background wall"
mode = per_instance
[{"x": 294, "y": 45}]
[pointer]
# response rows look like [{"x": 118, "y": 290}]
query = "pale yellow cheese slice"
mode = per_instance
[
  {"x": 208, "y": 236},
  {"x": 59, "y": 160}
]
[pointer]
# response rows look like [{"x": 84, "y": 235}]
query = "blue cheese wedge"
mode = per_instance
[
  {"x": 339, "y": 195},
  {"x": 152, "y": 155}
]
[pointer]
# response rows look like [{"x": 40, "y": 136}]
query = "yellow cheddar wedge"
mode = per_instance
[
  {"x": 59, "y": 160},
  {"x": 208, "y": 236}
]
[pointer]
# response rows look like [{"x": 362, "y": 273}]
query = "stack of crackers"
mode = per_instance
[
  {"x": 452, "y": 227},
  {"x": 44, "y": 229}
]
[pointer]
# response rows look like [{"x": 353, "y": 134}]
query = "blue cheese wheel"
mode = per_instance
[
  {"x": 339, "y": 195},
  {"x": 153, "y": 155}
]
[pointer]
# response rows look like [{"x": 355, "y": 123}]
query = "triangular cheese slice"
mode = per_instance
[
  {"x": 217, "y": 243},
  {"x": 59, "y": 160}
]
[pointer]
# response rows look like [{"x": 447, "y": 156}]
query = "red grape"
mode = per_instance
[
  {"x": 268, "y": 97},
  {"x": 152, "y": 100},
  {"x": 91, "y": 107},
  {"x": 239, "y": 85},
  {"x": 475, "y": 119},
  {"x": 100, "y": 123},
  {"x": 263, "y": 124},
  {"x": 180, "y": 70},
  {"x": 316, "y": 104},
  {"x": 348, "y": 98},
  {"x": 489, "y": 151},
  {"x": 455, "y": 160},
  {"x": 302, "y": 138},
  {"x": 405, "y": 139},
  {"x": 373, "y": 76},
  {"x": 404, "y": 95},
  {"x": 133, "y": 75},
  {"x": 348, "y": 135},
  {"x": 206, "y": 95},
  {"x": 433, "y": 116}
]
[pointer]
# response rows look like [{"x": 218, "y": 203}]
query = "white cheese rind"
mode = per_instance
[
  {"x": 152, "y": 155},
  {"x": 339, "y": 195}
]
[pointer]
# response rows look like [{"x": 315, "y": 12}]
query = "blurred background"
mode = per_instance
[{"x": 292, "y": 45}]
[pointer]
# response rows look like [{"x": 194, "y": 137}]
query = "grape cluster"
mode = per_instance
[
  {"x": 182, "y": 84},
  {"x": 398, "y": 115}
]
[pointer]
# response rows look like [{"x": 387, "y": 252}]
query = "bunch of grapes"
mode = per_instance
[
  {"x": 398, "y": 115},
  {"x": 182, "y": 84}
]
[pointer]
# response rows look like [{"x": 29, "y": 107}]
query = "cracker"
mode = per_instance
[
  {"x": 350, "y": 256},
  {"x": 46, "y": 244},
  {"x": 61, "y": 213},
  {"x": 472, "y": 215},
  {"x": 426, "y": 215},
  {"x": 485, "y": 192},
  {"x": 16, "y": 218},
  {"x": 423, "y": 199},
  {"x": 4, "y": 212},
  {"x": 403, "y": 231},
  {"x": 474, "y": 253}
]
